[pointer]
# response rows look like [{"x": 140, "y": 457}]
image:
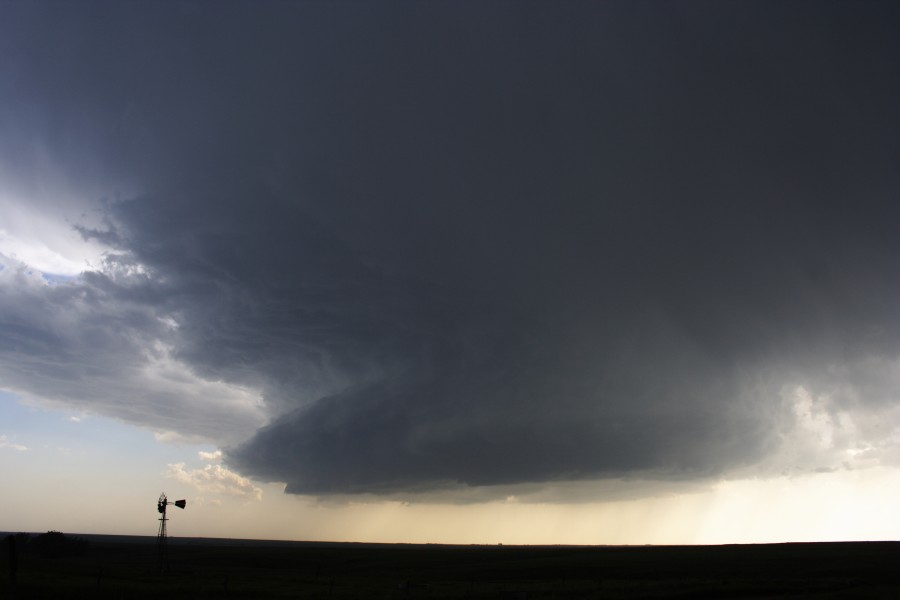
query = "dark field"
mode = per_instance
[{"x": 125, "y": 568}]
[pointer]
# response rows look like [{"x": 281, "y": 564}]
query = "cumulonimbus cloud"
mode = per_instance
[{"x": 400, "y": 259}]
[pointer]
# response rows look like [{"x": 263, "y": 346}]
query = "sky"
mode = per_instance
[{"x": 459, "y": 272}]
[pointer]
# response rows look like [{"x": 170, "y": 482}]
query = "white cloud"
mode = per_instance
[
  {"x": 42, "y": 236},
  {"x": 211, "y": 456},
  {"x": 5, "y": 443},
  {"x": 38, "y": 255},
  {"x": 215, "y": 479}
]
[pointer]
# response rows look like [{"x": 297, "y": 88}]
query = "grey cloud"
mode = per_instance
[
  {"x": 99, "y": 344},
  {"x": 492, "y": 246}
]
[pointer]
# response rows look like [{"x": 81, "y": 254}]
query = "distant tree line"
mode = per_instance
[{"x": 53, "y": 544}]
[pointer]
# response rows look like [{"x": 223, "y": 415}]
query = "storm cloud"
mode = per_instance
[{"x": 437, "y": 245}]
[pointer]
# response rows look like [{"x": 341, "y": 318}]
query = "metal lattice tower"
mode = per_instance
[{"x": 162, "y": 548}]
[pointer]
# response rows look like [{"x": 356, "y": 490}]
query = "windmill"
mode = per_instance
[{"x": 161, "y": 547}]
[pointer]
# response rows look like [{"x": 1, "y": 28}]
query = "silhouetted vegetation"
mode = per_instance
[{"x": 55, "y": 544}]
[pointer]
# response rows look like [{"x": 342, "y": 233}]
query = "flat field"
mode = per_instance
[{"x": 113, "y": 567}]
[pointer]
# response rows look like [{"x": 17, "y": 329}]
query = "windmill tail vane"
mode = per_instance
[{"x": 163, "y": 502}]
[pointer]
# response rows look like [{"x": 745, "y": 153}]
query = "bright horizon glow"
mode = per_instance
[{"x": 62, "y": 482}]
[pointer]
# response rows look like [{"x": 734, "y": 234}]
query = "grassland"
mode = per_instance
[{"x": 115, "y": 569}]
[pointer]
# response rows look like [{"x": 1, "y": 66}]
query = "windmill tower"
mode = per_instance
[{"x": 162, "y": 549}]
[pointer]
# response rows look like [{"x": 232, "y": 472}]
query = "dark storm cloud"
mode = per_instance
[{"x": 493, "y": 244}]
